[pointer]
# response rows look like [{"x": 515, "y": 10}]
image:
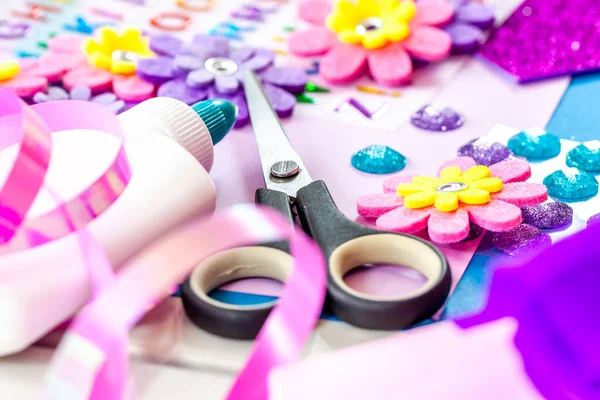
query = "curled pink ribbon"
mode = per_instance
[
  {"x": 32, "y": 127},
  {"x": 92, "y": 360}
]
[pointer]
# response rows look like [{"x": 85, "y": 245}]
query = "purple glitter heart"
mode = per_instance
[
  {"x": 548, "y": 216},
  {"x": 547, "y": 38},
  {"x": 178, "y": 89},
  {"x": 283, "y": 103},
  {"x": 432, "y": 118},
  {"x": 166, "y": 45},
  {"x": 156, "y": 70},
  {"x": 520, "y": 240},
  {"x": 291, "y": 79},
  {"x": 485, "y": 152},
  {"x": 594, "y": 219}
]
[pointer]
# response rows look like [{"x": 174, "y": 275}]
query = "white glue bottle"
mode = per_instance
[{"x": 170, "y": 150}]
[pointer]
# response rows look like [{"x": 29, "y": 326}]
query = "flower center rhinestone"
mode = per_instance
[
  {"x": 125, "y": 56},
  {"x": 451, "y": 187},
  {"x": 221, "y": 66},
  {"x": 369, "y": 24}
]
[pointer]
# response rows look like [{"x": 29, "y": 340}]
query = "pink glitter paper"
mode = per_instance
[{"x": 547, "y": 38}]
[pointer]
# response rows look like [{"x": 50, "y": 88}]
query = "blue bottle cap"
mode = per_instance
[{"x": 219, "y": 116}]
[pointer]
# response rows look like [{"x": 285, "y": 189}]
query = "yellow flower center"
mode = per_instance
[
  {"x": 8, "y": 70},
  {"x": 372, "y": 23},
  {"x": 117, "y": 53},
  {"x": 472, "y": 187}
]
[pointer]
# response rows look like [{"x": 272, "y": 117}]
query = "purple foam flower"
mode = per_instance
[
  {"x": 471, "y": 19},
  {"x": 83, "y": 93},
  {"x": 208, "y": 67}
]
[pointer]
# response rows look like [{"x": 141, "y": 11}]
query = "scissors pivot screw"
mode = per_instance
[{"x": 285, "y": 169}]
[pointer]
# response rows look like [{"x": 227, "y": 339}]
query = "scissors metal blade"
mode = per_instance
[{"x": 283, "y": 168}]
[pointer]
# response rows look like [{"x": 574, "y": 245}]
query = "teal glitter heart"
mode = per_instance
[
  {"x": 541, "y": 147},
  {"x": 378, "y": 159},
  {"x": 584, "y": 158},
  {"x": 571, "y": 186}
]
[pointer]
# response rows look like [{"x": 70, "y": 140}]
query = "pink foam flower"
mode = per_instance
[
  {"x": 386, "y": 45},
  {"x": 127, "y": 87},
  {"x": 34, "y": 75},
  {"x": 499, "y": 210}
]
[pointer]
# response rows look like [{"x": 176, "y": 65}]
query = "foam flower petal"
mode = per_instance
[
  {"x": 474, "y": 196},
  {"x": 492, "y": 185},
  {"x": 511, "y": 170},
  {"x": 496, "y": 216},
  {"x": 98, "y": 80},
  {"x": 314, "y": 11},
  {"x": 262, "y": 59},
  {"x": 433, "y": 12},
  {"x": 390, "y": 185},
  {"x": 311, "y": 42},
  {"x": 404, "y": 219},
  {"x": 391, "y": 65},
  {"x": 522, "y": 194},
  {"x": 464, "y": 163},
  {"x": 476, "y": 173},
  {"x": 368, "y": 7},
  {"x": 450, "y": 173},
  {"x": 395, "y": 31},
  {"x": 446, "y": 202},
  {"x": 448, "y": 227},
  {"x": 350, "y": 36},
  {"x": 465, "y": 37},
  {"x": 227, "y": 84},
  {"x": 420, "y": 199},
  {"x": 343, "y": 63},
  {"x": 429, "y": 43},
  {"x": 374, "y": 39},
  {"x": 375, "y": 205}
]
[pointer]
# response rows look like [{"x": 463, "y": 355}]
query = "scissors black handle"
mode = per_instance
[
  {"x": 345, "y": 242},
  {"x": 346, "y": 245}
]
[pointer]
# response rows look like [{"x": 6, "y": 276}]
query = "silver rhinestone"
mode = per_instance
[
  {"x": 221, "y": 66},
  {"x": 285, "y": 169},
  {"x": 451, "y": 187},
  {"x": 125, "y": 56},
  {"x": 369, "y": 24}
]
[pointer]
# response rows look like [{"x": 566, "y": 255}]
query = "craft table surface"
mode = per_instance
[{"x": 326, "y": 144}]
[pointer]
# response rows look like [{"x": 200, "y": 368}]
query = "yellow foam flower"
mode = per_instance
[
  {"x": 372, "y": 23},
  {"x": 117, "y": 52},
  {"x": 452, "y": 187},
  {"x": 8, "y": 70}
]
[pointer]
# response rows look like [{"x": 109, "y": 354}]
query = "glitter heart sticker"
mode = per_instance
[
  {"x": 378, "y": 159},
  {"x": 535, "y": 147},
  {"x": 485, "y": 151},
  {"x": 437, "y": 119},
  {"x": 521, "y": 239},
  {"x": 585, "y": 157},
  {"x": 548, "y": 216},
  {"x": 571, "y": 185}
]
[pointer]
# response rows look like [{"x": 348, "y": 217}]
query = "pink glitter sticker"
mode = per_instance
[{"x": 547, "y": 38}]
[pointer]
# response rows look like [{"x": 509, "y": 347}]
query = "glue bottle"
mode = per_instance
[{"x": 170, "y": 150}]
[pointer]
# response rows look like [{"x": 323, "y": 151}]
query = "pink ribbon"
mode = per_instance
[
  {"x": 32, "y": 127},
  {"x": 92, "y": 361}
]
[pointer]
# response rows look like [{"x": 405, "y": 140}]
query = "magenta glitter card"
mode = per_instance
[{"x": 547, "y": 38}]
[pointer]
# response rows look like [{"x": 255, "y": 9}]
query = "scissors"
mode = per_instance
[{"x": 346, "y": 245}]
